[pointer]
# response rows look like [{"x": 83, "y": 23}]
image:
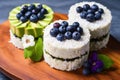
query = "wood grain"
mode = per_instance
[{"x": 15, "y": 66}]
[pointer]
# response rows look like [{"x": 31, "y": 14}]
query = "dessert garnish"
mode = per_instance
[
  {"x": 33, "y": 49},
  {"x": 90, "y": 13},
  {"x": 63, "y": 31},
  {"x": 32, "y": 13},
  {"x": 96, "y": 63}
]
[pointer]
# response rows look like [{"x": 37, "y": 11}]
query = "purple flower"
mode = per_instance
[{"x": 96, "y": 64}]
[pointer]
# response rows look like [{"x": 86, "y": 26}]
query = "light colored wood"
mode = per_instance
[{"x": 14, "y": 65}]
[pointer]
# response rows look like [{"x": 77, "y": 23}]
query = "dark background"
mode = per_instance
[{"x": 62, "y": 6}]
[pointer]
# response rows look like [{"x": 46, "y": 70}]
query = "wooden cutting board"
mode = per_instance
[{"x": 13, "y": 64}]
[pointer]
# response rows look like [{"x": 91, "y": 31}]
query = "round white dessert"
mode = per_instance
[
  {"x": 70, "y": 51},
  {"x": 97, "y": 28}
]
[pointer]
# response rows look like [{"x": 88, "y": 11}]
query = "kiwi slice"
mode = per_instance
[
  {"x": 20, "y": 30},
  {"x": 34, "y": 29}
]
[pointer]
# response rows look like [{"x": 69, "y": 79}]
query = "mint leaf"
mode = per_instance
[
  {"x": 28, "y": 52},
  {"x": 106, "y": 61},
  {"x": 38, "y": 52}
]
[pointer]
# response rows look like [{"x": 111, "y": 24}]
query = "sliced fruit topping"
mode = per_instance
[
  {"x": 90, "y": 13},
  {"x": 64, "y": 31},
  {"x": 32, "y": 12}
]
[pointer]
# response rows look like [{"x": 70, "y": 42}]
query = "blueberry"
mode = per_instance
[
  {"x": 101, "y": 10},
  {"x": 70, "y": 28},
  {"x": 35, "y": 11},
  {"x": 80, "y": 30},
  {"x": 23, "y": 11},
  {"x": 75, "y": 24},
  {"x": 90, "y": 17},
  {"x": 86, "y": 64},
  {"x": 64, "y": 23},
  {"x": 83, "y": 14},
  {"x": 28, "y": 14},
  {"x": 25, "y": 7},
  {"x": 44, "y": 11},
  {"x": 40, "y": 16},
  {"x": 86, "y": 7},
  {"x": 97, "y": 15},
  {"x": 56, "y": 25},
  {"x": 31, "y": 7},
  {"x": 68, "y": 35},
  {"x": 33, "y": 18},
  {"x": 62, "y": 29},
  {"x": 76, "y": 35},
  {"x": 90, "y": 11},
  {"x": 60, "y": 37},
  {"x": 19, "y": 15},
  {"x": 94, "y": 7},
  {"x": 39, "y": 6},
  {"x": 54, "y": 32},
  {"x": 79, "y": 9},
  {"x": 23, "y": 19},
  {"x": 86, "y": 71}
]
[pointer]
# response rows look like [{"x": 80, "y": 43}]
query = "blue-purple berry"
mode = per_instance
[
  {"x": 56, "y": 25},
  {"x": 76, "y": 35},
  {"x": 64, "y": 23},
  {"x": 44, "y": 11},
  {"x": 60, "y": 37},
  {"x": 79, "y": 9},
  {"x": 68, "y": 35},
  {"x": 101, "y": 10},
  {"x": 19, "y": 15},
  {"x": 54, "y": 32},
  {"x": 94, "y": 7},
  {"x": 62, "y": 29},
  {"x": 33, "y": 18},
  {"x": 23, "y": 19},
  {"x": 97, "y": 15},
  {"x": 86, "y": 7},
  {"x": 28, "y": 14},
  {"x": 40, "y": 16},
  {"x": 83, "y": 14},
  {"x": 76, "y": 24},
  {"x": 90, "y": 17},
  {"x": 80, "y": 30}
]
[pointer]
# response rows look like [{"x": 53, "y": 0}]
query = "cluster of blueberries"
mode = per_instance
[
  {"x": 32, "y": 13},
  {"x": 64, "y": 31},
  {"x": 90, "y": 13}
]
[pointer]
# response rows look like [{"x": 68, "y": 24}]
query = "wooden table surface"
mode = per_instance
[{"x": 13, "y": 64}]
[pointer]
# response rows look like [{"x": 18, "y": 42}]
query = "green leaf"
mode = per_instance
[
  {"x": 38, "y": 52},
  {"x": 106, "y": 61},
  {"x": 28, "y": 52}
]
